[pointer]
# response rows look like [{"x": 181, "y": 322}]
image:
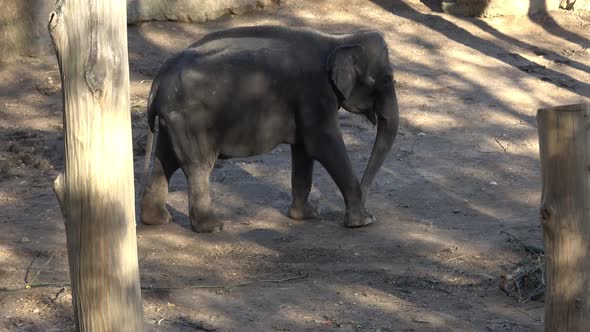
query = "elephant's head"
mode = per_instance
[{"x": 362, "y": 78}]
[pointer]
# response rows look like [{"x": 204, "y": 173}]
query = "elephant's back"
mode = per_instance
[
  {"x": 277, "y": 48},
  {"x": 266, "y": 32}
]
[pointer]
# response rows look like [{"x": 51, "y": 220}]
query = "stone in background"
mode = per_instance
[
  {"x": 23, "y": 28},
  {"x": 23, "y": 23},
  {"x": 491, "y": 8},
  {"x": 190, "y": 10}
]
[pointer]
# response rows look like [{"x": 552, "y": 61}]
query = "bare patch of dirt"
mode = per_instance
[{"x": 464, "y": 168}]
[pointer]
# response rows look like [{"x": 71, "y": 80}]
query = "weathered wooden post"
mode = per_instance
[
  {"x": 564, "y": 144},
  {"x": 95, "y": 191}
]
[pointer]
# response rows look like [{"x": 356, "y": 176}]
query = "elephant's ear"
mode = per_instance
[{"x": 345, "y": 65}]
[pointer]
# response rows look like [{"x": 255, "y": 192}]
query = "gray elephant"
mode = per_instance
[{"x": 243, "y": 91}]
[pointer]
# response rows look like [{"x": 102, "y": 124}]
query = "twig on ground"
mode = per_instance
[
  {"x": 57, "y": 295},
  {"x": 39, "y": 285},
  {"x": 47, "y": 285},
  {"x": 144, "y": 257},
  {"x": 444, "y": 290},
  {"x": 416, "y": 141},
  {"x": 501, "y": 145},
  {"x": 527, "y": 248},
  {"x": 188, "y": 323},
  {"x": 537, "y": 291},
  {"x": 229, "y": 285},
  {"x": 526, "y": 281},
  {"x": 27, "y": 283},
  {"x": 536, "y": 307},
  {"x": 453, "y": 258},
  {"x": 267, "y": 274},
  {"x": 26, "y": 279}
]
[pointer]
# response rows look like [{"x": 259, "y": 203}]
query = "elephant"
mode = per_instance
[{"x": 243, "y": 91}]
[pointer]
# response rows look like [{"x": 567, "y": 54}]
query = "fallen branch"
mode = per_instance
[
  {"x": 528, "y": 276},
  {"x": 528, "y": 248},
  {"x": 37, "y": 285},
  {"x": 230, "y": 285},
  {"x": 48, "y": 285},
  {"x": 26, "y": 279},
  {"x": 28, "y": 283},
  {"x": 187, "y": 322},
  {"x": 501, "y": 145}
]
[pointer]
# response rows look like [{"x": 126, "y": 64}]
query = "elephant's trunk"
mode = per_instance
[{"x": 387, "y": 125}]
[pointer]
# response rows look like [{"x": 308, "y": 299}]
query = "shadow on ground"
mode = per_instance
[{"x": 464, "y": 168}]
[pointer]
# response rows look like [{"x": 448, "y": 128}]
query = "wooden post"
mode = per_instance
[
  {"x": 564, "y": 144},
  {"x": 95, "y": 191}
]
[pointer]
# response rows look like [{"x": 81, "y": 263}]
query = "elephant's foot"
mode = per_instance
[
  {"x": 155, "y": 215},
  {"x": 354, "y": 220},
  {"x": 309, "y": 211},
  {"x": 207, "y": 225}
]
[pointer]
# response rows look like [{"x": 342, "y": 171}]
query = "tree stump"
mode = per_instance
[
  {"x": 96, "y": 191},
  {"x": 564, "y": 144}
]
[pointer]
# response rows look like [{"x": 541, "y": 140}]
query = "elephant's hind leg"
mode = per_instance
[
  {"x": 203, "y": 219},
  {"x": 153, "y": 201},
  {"x": 197, "y": 155},
  {"x": 301, "y": 179}
]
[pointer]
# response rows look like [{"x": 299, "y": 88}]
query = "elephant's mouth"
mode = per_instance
[{"x": 369, "y": 112}]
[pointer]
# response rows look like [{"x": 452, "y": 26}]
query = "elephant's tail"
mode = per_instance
[{"x": 149, "y": 141}]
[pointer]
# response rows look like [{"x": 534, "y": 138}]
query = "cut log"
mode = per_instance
[{"x": 564, "y": 144}]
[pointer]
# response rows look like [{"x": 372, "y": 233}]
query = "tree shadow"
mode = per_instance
[
  {"x": 547, "y": 22},
  {"x": 460, "y": 35},
  {"x": 554, "y": 56},
  {"x": 433, "y": 5},
  {"x": 300, "y": 247},
  {"x": 404, "y": 272}
]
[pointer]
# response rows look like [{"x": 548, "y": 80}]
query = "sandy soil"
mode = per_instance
[{"x": 464, "y": 169}]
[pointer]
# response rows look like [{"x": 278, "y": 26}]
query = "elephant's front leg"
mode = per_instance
[
  {"x": 326, "y": 146},
  {"x": 301, "y": 178},
  {"x": 203, "y": 219}
]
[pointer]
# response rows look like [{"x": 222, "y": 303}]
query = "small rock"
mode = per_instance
[
  {"x": 27, "y": 159},
  {"x": 24, "y": 239},
  {"x": 48, "y": 87},
  {"x": 43, "y": 164},
  {"x": 456, "y": 211},
  {"x": 36, "y": 311},
  {"x": 14, "y": 148},
  {"x": 421, "y": 134},
  {"x": 493, "y": 183},
  {"x": 406, "y": 148}
]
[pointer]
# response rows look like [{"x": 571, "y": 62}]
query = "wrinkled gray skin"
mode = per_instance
[{"x": 243, "y": 91}]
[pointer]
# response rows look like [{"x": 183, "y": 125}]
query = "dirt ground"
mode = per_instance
[{"x": 463, "y": 171}]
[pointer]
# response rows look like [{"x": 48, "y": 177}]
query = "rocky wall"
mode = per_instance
[
  {"x": 190, "y": 10},
  {"x": 23, "y": 23},
  {"x": 491, "y": 8}
]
